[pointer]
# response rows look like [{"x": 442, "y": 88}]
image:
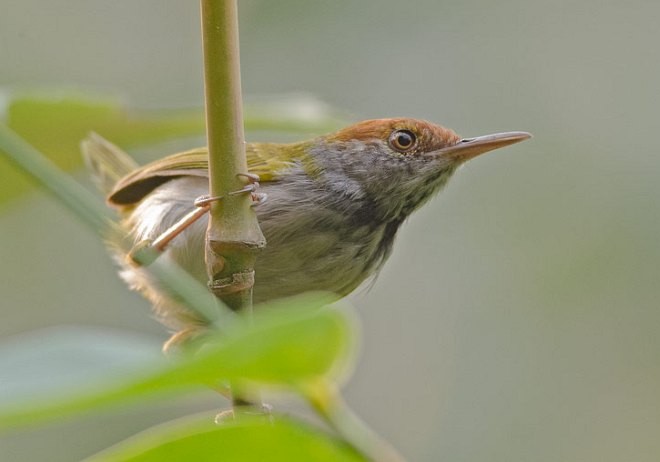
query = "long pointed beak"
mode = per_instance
[{"x": 467, "y": 148}]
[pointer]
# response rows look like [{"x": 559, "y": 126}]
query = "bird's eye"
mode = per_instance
[{"x": 402, "y": 140}]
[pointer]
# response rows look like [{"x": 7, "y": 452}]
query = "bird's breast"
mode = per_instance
[{"x": 313, "y": 243}]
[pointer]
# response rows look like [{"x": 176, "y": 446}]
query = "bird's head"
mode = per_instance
[{"x": 397, "y": 164}]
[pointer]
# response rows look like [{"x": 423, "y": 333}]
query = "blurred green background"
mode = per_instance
[{"x": 518, "y": 318}]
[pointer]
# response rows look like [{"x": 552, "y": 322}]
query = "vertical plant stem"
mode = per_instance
[{"x": 233, "y": 237}]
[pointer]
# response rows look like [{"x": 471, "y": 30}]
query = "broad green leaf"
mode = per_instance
[
  {"x": 67, "y": 356},
  {"x": 55, "y": 125},
  {"x": 291, "y": 341},
  {"x": 292, "y": 346},
  {"x": 55, "y": 122},
  {"x": 198, "y": 439}
]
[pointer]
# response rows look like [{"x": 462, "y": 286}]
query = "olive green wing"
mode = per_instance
[
  {"x": 133, "y": 187},
  {"x": 105, "y": 162},
  {"x": 264, "y": 159}
]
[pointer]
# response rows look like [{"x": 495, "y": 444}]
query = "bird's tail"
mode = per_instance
[{"x": 106, "y": 162}]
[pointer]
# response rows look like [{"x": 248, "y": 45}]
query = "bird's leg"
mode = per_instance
[{"x": 202, "y": 206}]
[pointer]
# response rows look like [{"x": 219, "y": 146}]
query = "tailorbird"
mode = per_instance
[{"x": 334, "y": 204}]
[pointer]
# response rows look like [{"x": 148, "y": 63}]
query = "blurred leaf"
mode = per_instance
[
  {"x": 55, "y": 122},
  {"x": 33, "y": 163},
  {"x": 292, "y": 340},
  {"x": 198, "y": 439},
  {"x": 300, "y": 113},
  {"x": 69, "y": 356},
  {"x": 295, "y": 345}
]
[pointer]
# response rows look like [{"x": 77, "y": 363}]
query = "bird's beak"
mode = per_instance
[{"x": 467, "y": 148}]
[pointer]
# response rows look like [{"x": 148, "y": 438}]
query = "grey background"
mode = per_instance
[{"x": 518, "y": 316}]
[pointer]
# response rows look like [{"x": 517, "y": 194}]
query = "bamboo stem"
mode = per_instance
[{"x": 233, "y": 237}]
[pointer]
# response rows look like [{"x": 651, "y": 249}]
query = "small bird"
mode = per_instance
[{"x": 334, "y": 204}]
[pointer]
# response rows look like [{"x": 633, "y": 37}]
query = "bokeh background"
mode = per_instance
[{"x": 519, "y": 315}]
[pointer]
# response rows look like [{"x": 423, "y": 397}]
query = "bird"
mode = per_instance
[{"x": 334, "y": 205}]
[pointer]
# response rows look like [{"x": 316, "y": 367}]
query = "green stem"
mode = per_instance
[
  {"x": 325, "y": 399},
  {"x": 233, "y": 237},
  {"x": 95, "y": 215},
  {"x": 48, "y": 175},
  {"x": 224, "y": 108}
]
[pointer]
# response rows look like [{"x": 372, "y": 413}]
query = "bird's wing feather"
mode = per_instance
[
  {"x": 264, "y": 159},
  {"x": 106, "y": 162}
]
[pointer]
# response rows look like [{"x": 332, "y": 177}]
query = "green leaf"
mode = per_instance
[
  {"x": 56, "y": 121},
  {"x": 69, "y": 356},
  {"x": 198, "y": 439},
  {"x": 291, "y": 341},
  {"x": 284, "y": 346}
]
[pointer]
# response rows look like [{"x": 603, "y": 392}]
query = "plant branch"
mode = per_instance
[
  {"x": 48, "y": 175},
  {"x": 327, "y": 401},
  {"x": 233, "y": 237},
  {"x": 95, "y": 215}
]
